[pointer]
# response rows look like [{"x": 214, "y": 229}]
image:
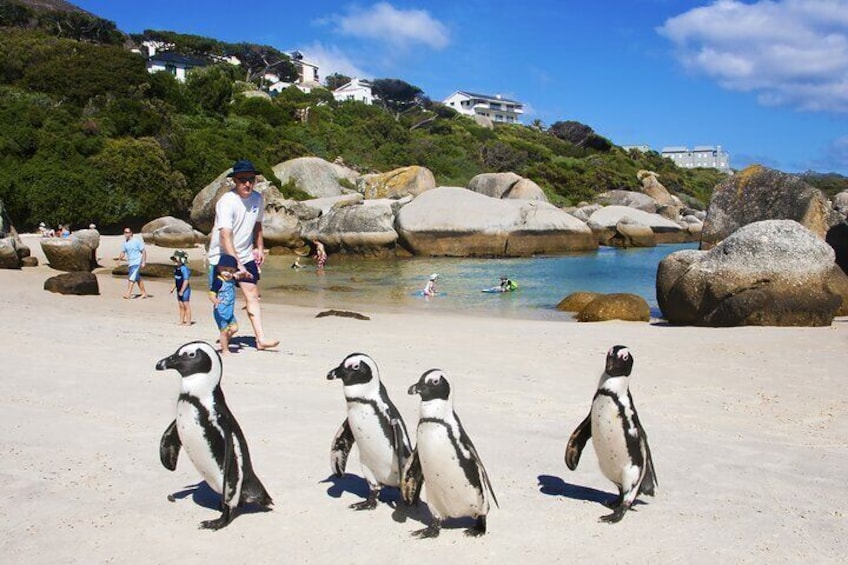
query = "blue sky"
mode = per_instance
[{"x": 766, "y": 80}]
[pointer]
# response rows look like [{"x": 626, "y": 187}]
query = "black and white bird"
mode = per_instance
[
  {"x": 446, "y": 461},
  {"x": 373, "y": 423},
  {"x": 209, "y": 432},
  {"x": 617, "y": 435}
]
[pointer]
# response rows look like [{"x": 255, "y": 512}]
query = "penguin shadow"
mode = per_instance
[
  {"x": 203, "y": 495},
  {"x": 358, "y": 486},
  {"x": 240, "y": 342},
  {"x": 555, "y": 486}
]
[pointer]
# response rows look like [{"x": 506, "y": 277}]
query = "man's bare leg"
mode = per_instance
[{"x": 251, "y": 298}]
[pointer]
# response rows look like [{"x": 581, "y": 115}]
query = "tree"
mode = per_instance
[
  {"x": 336, "y": 80},
  {"x": 395, "y": 95},
  {"x": 211, "y": 88},
  {"x": 261, "y": 59}
]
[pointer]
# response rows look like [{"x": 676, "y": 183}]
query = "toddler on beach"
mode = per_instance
[
  {"x": 182, "y": 286},
  {"x": 222, "y": 293}
]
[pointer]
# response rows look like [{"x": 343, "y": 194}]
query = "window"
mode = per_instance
[{"x": 171, "y": 68}]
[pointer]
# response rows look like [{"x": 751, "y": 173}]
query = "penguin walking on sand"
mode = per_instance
[
  {"x": 446, "y": 461},
  {"x": 373, "y": 423},
  {"x": 617, "y": 435},
  {"x": 209, "y": 432}
]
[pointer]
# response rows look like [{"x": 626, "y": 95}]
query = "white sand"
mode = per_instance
[{"x": 748, "y": 429}]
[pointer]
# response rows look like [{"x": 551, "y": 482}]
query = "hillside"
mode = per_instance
[{"x": 88, "y": 135}]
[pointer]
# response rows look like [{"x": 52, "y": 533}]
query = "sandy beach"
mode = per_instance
[{"x": 748, "y": 428}]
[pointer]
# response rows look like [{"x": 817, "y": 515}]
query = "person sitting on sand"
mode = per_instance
[
  {"x": 296, "y": 264},
  {"x": 430, "y": 287}
]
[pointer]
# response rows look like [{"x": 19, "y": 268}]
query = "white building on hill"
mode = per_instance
[
  {"x": 496, "y": 108},
  {"x": 356, "y": 89},
  {"x": 705, "y": 156}
]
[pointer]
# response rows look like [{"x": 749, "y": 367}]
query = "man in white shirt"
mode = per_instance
[{"x": 238, "y": 232}]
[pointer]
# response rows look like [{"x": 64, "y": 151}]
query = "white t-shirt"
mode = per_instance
[{"x": 240, "y": 215}]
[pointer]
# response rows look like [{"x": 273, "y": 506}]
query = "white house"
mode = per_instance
[
  {"x": 307, "y": 75},
  {"x": 174, "y": 63},
  {"x": 706, "y": 156},
  {"x": 496, "y": 108},
  {"x": 356, "y": 89}
]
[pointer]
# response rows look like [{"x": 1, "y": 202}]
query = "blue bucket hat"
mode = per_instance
[
  {"x": 243, "y": 166},
  {"x": 228, "y": 261}
]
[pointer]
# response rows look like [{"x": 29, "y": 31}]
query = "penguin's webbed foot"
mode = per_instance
[
  {"x": 431, "y": 531},
  {"x": 616, "y": 516},
  {"x": 368, "y": 504},
  {"x": 220, "y": 522},
  {"x": 614, "y": 503},
  {"x": 477, "y": 529}
]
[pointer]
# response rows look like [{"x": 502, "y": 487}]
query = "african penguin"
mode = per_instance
[
  {"x": 373, "y": 423},
  {"x": 209, "y": 432},
  {"x": 446, "y": 461},
  {"x": 617, "y": 435}
]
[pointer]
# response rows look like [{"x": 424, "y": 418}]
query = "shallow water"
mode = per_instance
[{"x": 354, "y": 284}]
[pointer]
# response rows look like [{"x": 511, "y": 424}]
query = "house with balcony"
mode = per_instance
[
  {"x": 496, "y": 108},
  {"x": 704, "y": 156},
  {"x": 357, "y": 89}
]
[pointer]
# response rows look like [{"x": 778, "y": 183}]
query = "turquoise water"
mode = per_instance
[{"x": 396, "y": 284}]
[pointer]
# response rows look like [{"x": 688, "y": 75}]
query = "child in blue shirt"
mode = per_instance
[
  {"x": 222, "y": 293},
  {"x": 182, "y": 286}
]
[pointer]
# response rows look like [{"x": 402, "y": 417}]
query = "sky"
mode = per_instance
[{"x": 767, "y": 80}]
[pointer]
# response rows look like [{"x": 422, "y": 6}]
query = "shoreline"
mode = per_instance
[{"x": 748, "y": 436}]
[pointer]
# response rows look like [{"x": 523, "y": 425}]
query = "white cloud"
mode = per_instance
[
  {"x": 790, "y": 52},
  {"x": 330, "y": 59},
  {"x": 399, "y": 28}
]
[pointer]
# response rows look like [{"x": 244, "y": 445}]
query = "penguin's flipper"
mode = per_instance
[
  {"x": 339, "y": 451},
  {"x": 412, "y": 479},
  {"x": 649, "y": 482},
  {"x": 169, "y": 447},
  {"x": 577, "y": 442}
]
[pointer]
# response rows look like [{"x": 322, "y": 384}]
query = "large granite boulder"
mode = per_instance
[
  {"x": 604, "y": 222},
  {"x": 576, "y": 301},
  {"x": 506, "y": 185},
  {"x": 654, "y": 188},
  {"x": 630, "y": 233},
  {"x": 618, "y": 306},
  {"x": 78, "y": 282},
  {"x": 172, "y": 233},
  {"x": 840, "y": 203},
  {"x": 317, "y": 177},
  {"x": 75, "y": 253},
  {"x": 583, "y": 213},
  {"x": 456, "y": 222},
  {"x": 203, "y": 205},
  {"x": 768, "y": 273},
  {"x": 406, "y": 181},
  {"x": 759, "y": 193},
  {"x": 363, "y": 228},
  {"x": 838, "y": 283},
  {"x": 150, "y": 270},
  {"x": 628, "y": 198},
  {"x": 9, "y": 258}
]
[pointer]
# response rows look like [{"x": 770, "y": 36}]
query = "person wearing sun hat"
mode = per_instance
[
  {"x": 238, "y": 232},
  {"x": 430, "y": 288},
  {"x": 182, "y": 287}
]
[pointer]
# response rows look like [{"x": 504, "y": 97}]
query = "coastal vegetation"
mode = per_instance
[{"x": 88, "y": 135}]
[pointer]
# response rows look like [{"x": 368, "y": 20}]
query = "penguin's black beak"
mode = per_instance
[
  {"x": 333, "y": 374},
  {"x": 414, "y": 389},
  {"x": 169, "y": 362}
]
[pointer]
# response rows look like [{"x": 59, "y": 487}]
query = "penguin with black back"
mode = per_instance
[
  {"x": 209, "y": 432},
  {"x": 373, "y": 423},
  {"x": 618, "y": 437},
  {"x": 446, "y": 461}
]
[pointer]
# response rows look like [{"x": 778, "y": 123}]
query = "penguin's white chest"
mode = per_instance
[
  {"x": 200, "y": 438},
  {"x": 449, "y": 492},
  {"x": 609, "y": 431},
  {"x": 376, "y": 454}
]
